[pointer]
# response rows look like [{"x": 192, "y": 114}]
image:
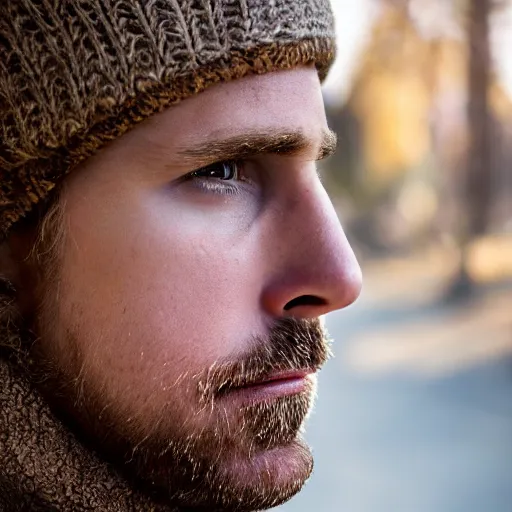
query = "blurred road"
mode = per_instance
[{"x": 415, "y": 411}]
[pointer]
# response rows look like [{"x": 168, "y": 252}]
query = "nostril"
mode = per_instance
[{"x": 305, "y": 300}]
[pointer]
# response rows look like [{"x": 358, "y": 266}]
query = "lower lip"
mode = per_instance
[{"x": 274, "y": 389}]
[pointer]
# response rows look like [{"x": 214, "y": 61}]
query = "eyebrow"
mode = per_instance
[{"x": 244, "y": 146}]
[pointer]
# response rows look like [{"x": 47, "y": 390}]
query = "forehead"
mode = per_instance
[{"x": 286, "y": 100}]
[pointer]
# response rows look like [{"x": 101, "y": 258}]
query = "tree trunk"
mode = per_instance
[
  {"x": 478, "y": 185},
  {"x": 480, "y": 153}
]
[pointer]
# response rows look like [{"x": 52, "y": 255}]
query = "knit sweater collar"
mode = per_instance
[{"x": 43, "y": 467}]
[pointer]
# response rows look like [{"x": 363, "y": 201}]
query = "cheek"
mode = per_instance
[{"x": 159, "y": 296}]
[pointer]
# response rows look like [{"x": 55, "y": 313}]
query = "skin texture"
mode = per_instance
[{"x": 170, "y": 285}]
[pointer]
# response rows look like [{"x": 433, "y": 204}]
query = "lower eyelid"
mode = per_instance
[{"x": 216, "y": 187}]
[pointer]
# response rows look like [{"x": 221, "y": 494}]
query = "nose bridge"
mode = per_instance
[{"x": 318, "y": 235}]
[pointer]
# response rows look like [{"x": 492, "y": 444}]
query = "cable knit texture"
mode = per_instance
[
  {"x": 75, "y": 74},
  {"x": 44, "y": 468}
]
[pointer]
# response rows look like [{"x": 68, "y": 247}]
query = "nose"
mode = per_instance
[{"x": 314, "y": 267}]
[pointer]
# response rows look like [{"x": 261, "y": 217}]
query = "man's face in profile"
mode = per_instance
[{"x": 182, "y": 322}]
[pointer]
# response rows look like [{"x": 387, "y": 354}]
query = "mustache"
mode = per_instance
[{"x": 291, "y": 345}]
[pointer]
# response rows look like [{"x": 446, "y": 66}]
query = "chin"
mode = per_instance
[{"x": 268, "y": 478}]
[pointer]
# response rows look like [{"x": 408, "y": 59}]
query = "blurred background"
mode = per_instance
[{"x": 415, "y": 411}]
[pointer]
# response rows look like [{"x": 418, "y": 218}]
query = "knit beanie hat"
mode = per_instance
[{"x": 75, "y": 74}]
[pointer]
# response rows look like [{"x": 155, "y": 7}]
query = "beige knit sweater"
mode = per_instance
[{"x": 44, "y": 468}]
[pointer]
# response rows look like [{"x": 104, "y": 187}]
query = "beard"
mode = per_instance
[{"x": 205, "y": 448}]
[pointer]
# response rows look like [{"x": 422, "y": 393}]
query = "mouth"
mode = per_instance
[{"x": 275, "y": 386}]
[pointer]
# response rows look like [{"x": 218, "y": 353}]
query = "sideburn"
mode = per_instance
[{"x": 30, "y": 252}]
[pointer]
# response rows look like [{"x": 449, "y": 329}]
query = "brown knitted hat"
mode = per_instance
[{"x": 75, "y": 74}]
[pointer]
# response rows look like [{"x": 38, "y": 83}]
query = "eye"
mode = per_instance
[
  {"x": 225, "y": 178},
  {"x": 225, "y": 171}
]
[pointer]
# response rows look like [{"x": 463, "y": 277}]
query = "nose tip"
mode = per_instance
[
  {"x": 333, "y": 287},
  {"x": 350, "y": 285},
  {"x": 343, "y": 287}
]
